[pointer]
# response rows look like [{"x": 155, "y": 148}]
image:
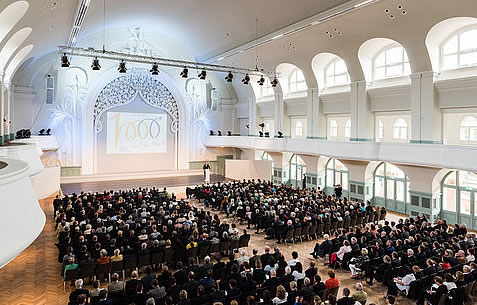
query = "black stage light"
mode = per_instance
[
  {"x": 261, "y": 81},
  {"x": 27, "y": 133},
  {"x": 280, "y": 134},
  {"x": 261, "y": 125},
  {"x": 65, "y": 63},
  {"x": 274, "y": 82},
  {"x": 229, "y": 77},
  {"x": 248, "y": 126},
  {"x": 122, "y": 67},
  {"x": 246, "y": 79},
  {"x": 202, "y": 75},
  {"x": 260, "y": 133},
  {"x": 48, "y": 131},
  {"x": 219, "y": 133},
  {"x": 229, "y": 133},
  {"x": 267, "y": 134},
  {"x": 155, "y": 69},
  {"x": 211, "y": 133},
  {"x": 185, "y": 73},
  {"x": 95, "y": 65},
  {"x": 41, "y": 132}
]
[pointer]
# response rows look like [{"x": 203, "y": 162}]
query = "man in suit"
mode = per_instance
[
  {"x": 132, "y": 284},
  {"x": 435, "y": 295},
  {"x": 378, "y": 272},
  {"x": 273, "y": 281},
  {"x": 191, "y": 285},
  {"x": 116, "y": 285},
  {"x": 147, "y": 279},
  {"x": 254, "y": 258},
  {"x": 78, "y": 291},
  {"x": 156, "y": 291},
  {"x": 103, "y": 298}
]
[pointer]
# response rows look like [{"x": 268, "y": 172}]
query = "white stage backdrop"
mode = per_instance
[{"x": 132, "y": 133}]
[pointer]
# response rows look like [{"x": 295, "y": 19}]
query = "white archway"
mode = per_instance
[
  {"x": 12, "y": 45},
  {"x": 10, "y": 16}
]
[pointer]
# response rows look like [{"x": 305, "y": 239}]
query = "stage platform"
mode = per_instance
[{"x": 176, "y": 181}]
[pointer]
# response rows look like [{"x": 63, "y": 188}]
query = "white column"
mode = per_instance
[
  {"x": 316, "y": 121},
  {"x": 8, "y": 87},
  {"x": 278, "y": 112},
  {"x": 2, "y": 109},
  {"x": 362, "y": 120},
  {"x": 252, "y": 116},
  {"x": 426, "y": 117}
]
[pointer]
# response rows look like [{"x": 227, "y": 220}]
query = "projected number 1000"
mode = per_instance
[{"x": 135, "y": 130}]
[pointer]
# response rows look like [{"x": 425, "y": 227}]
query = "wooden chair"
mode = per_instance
[
  {"x": 289, "y": 236},
  {"x": 144, "y": 260},
  {"x": 168, "y": 255},
  {"x": 117, "y": 267},
  {"x": 234, "y": 244},
  {"x": 70, "y": 275},
  {"x": 244, "y": 242},
  {"x": 297, "y": 234}
]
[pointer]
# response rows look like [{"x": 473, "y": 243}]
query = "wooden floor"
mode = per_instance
[
  {"x": 34, "y": 276},
  {"x": 161, "y": 182}
]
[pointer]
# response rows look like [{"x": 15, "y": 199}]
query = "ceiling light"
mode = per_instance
[
  {"x": 95, "y": 65},
  {"x": 155, "y": 69},
  {"x": 274, "y": 82},
  {"x": 202, "y": 75},
  {"x": 185, "y": 73},
  {"x": 65, "y": 63},
  {"x": 246, "y": 79},
  {"x": 122, "y": 67},
  {"x": 363, "y": 3},
  {"x": 278, "y": 36},
  {"x": 261, "y": 81},
  {"x": 220, "y": 58},
  {"x": 229, "y": 77}
]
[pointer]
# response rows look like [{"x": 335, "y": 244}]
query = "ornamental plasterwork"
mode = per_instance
[{"x": 124, "y": 89}]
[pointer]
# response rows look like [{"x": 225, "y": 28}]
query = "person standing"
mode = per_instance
[{"x": 206, "y": 169}]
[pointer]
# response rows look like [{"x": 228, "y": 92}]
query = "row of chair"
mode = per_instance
[{"x": 133, "y": 262}]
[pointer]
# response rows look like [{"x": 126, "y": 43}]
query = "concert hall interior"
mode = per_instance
[{"x": 296, "y": 152}]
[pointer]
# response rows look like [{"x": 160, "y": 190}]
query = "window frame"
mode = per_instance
[
  {"x": 457, "y": 34},
  {"x": 467, "y": 130},
  {"x": 293, "y": 87},
  {"x": 335, "y": 75},
  {"x": 347, "y": 129},
  {"x": 400, "y": 129},
  {"x": 334, "y": 128},
  {"x": 402, "y": 63}
]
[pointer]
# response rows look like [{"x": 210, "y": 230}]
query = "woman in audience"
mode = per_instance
[
  {"x": 460, "y": 257},
  {"x": 281, "y": 295},
  {"x": 459, "y": 281},
  {"x": 357, "y": 262},
  {"x": 332, "y": 282},
  {"x": 117, "y": 257},
  {"x": 470, "y": 255},
  {"x": 266, "y": 298}
]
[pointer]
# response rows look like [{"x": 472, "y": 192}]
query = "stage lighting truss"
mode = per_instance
[{"x": 135, "y": 58}]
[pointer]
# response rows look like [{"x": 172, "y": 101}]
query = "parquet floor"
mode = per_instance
[{"x": 33, "y": 277}]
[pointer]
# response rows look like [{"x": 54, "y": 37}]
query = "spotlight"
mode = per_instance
[
  {"x": 41, "y": 132},
  {"x": 211, "y": 133},
  {"x": 95, "y": 65},
  {"x": 229, "y": 77},
  {"x": 262, "y": 125},
  {"x": 274, "y": 82},
  {"x": 280, "y": 134},
  {"x": 202, "y": 75},
  {"x": 261, "y": 81},
  {"x": 122, "y": 67},
  {"x": 248, "y": 126},
  {"x": 260, "y": 134},
  {"x": 267, "y": 134},
  {"x": 155, "y": 69},
  {"x": 219, "y": 133},
  {"x": 229, "y": 133},
  {"x": 65, "y": 63},
  {"x": 185, "y": 73},
  {"x": 246, "y": 79},
  {"x": 48, "y": 132}
]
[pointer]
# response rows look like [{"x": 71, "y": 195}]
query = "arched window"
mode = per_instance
[
  {"x": 333, "y": 126},
  {"x": 468, "y": 129},
  {"x": 459, "y": 50},
  {"x": 380, "y": 130},
  {"x": 297, "y": 170},
  {"x": 347, "y": 129},
  {"x": 459, "y": 195},
  {"x": 336, "y": 173},
  {"x": 392, "y": 61},
  {"x": 299, "y": 128},
  {"x": 297, "y": 81},
  {"x": 400, "y": 129},
  {"x": 336, "y": 73},
  {"x": 267, "y": 157},
  {"x": 390, "y": 185},
  {"x": 266, "y": 89}
]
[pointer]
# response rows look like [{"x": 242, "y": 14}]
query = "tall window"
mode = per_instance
[
  {"x": 266, "y": 89},
  {"x": 267, "y": 157},
  {"x": 336, "y": 73},
  {"x": 400, "y": 129},
  {"x": 347, "y": 129},
  {"x": 390, "y": 183},
  {"x": 336, "y": 173},
  {"x": 380, "y": 130},
  {"x": 460, "y": 50},
  {"x": 468, "y": 129},
  {"x": 391, "y": 62},
  {"x": 299, "y": 128},
  {"x": 459, "y": 193},
  {"x": 297, "y": 169},
  {"x": 333, "y": 126},
  {"x": 297, "y": 81}
]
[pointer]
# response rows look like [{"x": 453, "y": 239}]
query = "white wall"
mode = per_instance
[{"x": 248, "y": 169}]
